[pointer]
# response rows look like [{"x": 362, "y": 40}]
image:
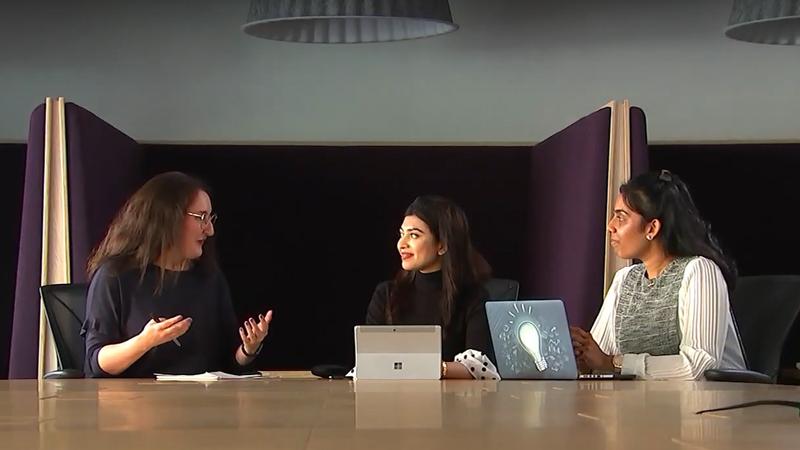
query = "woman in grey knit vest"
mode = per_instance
[{"x": 669, "y": 316}]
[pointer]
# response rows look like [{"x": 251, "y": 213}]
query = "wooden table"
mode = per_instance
[{"x": 296, "y": 411}]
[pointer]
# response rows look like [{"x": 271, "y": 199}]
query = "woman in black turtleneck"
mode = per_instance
[{"x": 441, "y": 283}]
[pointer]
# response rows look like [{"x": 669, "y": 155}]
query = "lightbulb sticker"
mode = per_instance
[
  {"x": 531, "y": 341},
  {"x": 529, "y": 344}
]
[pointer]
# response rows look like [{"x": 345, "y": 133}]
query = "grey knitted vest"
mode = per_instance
[{"x": 646, "y": 318}]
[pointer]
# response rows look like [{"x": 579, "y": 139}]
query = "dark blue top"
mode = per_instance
[{"x": 120, "y": 304}]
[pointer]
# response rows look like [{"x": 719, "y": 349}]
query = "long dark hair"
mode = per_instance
[
  {"x": 664, "y": 196},
  {"x": 463, "y": 268},
  {"x": 149, "y": 225}
]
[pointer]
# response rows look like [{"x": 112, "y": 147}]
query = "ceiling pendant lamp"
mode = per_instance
[
  {"x": 348, "y": 21},
  {"x": 765, "y": 21}
]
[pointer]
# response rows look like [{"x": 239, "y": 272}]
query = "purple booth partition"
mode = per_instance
[
  {"x": 640, "y": 162},
  {"x": 25, "y": 325},
  {"x": 103, "y": 167},
  {"x": 567, "y": 213}
]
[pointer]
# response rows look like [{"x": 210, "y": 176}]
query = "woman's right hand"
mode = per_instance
[
  {"x": 156, "y": 333},
  {"x": 588, "y": 354}
]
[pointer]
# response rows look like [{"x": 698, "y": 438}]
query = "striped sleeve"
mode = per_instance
[
  {"x": 603, "y": 329},
  {"x": 702, "y": 317}
]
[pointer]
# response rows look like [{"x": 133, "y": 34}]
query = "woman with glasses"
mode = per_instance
[
  {"x": 667, "y": 317},
  {"x": 157, "y": 302}
]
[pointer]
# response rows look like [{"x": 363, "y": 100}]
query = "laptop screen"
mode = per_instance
[{"x": 531, "y": 339}]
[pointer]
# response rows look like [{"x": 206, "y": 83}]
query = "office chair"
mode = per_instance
[
  {"x": 765, "y": 309},
  {"x": 502, "y": 289},
  {"x": 65, "y": 305}
]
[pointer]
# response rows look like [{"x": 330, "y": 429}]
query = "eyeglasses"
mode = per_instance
[{"x": 204, "y": 217}]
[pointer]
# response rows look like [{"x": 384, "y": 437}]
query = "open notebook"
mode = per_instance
[{"x": 207, "y": 376}]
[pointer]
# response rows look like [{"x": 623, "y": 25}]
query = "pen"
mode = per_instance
[{"x": 157, "y": 320}]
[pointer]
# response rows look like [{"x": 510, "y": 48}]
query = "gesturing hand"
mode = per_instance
[
  {"x": 156, "y": 333},
  {"x": 253, "y": 333}
]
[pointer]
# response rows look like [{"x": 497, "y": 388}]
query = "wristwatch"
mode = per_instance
[{"x": 616, "y": 361}]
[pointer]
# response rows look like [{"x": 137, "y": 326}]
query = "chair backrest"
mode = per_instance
[
  {"x": 65, "y": 305},
  {"x": 502, "y": 289},
  {"x": 765, "y": 309}
]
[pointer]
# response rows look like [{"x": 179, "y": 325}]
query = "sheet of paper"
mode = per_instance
[{"x": 207, "y": 376}]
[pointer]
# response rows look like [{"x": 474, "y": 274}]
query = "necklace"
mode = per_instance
[{"x": 657, "y": 274}]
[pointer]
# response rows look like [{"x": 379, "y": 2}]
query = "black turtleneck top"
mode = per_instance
[{"x": 468, "y": 328}]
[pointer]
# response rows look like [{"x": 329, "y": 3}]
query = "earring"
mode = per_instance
[
  {"x": 442, "y": 252},
  {"x": 649, "y": 238}
]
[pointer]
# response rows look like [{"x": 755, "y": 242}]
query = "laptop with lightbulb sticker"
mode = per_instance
[{"x": 532, "y": 341}]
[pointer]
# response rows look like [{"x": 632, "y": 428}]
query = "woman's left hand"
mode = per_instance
[{"x": 253, "y": 333}]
